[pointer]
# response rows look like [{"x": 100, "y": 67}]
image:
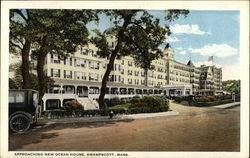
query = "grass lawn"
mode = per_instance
[{"x": 122, "y": 106}]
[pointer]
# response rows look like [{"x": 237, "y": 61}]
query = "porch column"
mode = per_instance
[
  {"x": 61, "y": 88},
  {"x": 75, "y": 90},
  {"x": 184, "y": 91},
  {"x": 118, "y": 90}
]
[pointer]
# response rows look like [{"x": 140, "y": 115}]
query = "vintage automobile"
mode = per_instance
[{"x": 23, "y": 109}]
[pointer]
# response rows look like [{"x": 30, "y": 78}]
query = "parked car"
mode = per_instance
[{"x": 23, "y": 109}]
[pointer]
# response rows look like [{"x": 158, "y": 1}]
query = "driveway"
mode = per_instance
[{"x": 194, "y": 129}]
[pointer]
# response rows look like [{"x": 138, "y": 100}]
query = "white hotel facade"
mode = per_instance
[{"x": 80, "y": 75}]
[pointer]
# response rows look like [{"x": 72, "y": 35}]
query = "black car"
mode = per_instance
[{"x": 23, "y": 109}]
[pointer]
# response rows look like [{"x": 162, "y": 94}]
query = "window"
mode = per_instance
[
  {"x": 130, "y": 81},
  {"x": 114, "y": 78},
  {"x": 93, "y": 77},
  {"x": 67, "y": 74},
  {"x": 160, "y": 77},
  {"x": 111, "y": 44},
  {"x": 136, "y": 81},
  {"x": 16, "y": 97},
  {"x": 55, "y": 59},
  {"x": 94, "y": 53},
  {"x": 151, "y": 83},
  {"x": 55, "y": 72},
  {"x": 68, "y": 61},
  {"x": 136, "y": 73},
  {"x": 78, "y": 75},
  {"x": 130, "y": 63},
  {"x": 93, "y": 65},
  {"x": 142, "y": 82},
  {"x": 117, "y": 67},
  {"x": 130, "y": 72},
  {"x": 142, "y": 74},
  {"x": 53, "y": 104},
  {"x": 84, "y": 51},
  {"x": 35, "y": 98}
]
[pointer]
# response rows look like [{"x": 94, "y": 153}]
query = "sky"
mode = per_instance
[{"x": 200, "y": 35}]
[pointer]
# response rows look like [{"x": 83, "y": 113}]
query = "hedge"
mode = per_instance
[
  {"x": 218, "y": 102},
  {"x": 205, "y": 101},
  {"x": 148, "y": 104}
]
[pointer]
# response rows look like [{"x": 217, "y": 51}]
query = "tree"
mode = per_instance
[
  {"x": 232, "y": 86},
  {"x": 17, "y": 81},
  {"x": 57, "y": 32},
  {"x": 138, "y": 34},
  {"x": 50, "y": 31},
  {"x": 20, "y": 40}
]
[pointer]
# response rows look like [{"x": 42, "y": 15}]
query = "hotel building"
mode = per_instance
[{"x": 80, "y": 74}]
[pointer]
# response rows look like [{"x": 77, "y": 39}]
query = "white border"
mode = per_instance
[{"x": 242, "y": 6}]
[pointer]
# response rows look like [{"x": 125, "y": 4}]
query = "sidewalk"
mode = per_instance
[
  {"x": 225, "y": 106},
  {"x": 106, "y": 118}
]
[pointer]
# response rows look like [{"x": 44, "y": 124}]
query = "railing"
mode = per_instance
[{"x": 58, "y": 96}]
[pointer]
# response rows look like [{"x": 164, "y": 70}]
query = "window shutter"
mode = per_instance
[{"x": 51, "y": 72}]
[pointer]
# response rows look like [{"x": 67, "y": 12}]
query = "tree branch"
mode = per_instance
[
  {"x": 15, "y": 45},
  {"x": 21, "y": 14},
  {"x": 20, "y": 40},
  {"x": 139, "y": 27}
]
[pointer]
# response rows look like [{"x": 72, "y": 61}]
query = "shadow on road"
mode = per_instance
[{"x": 42, "y": 131}]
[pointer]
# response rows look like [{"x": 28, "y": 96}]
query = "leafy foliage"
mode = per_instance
[
  {"x": 138, "y": 34},
  {"x": 231, "y": 86},
  {"x": 17, "y": 81}
]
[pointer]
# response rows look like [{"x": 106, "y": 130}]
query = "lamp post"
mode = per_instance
[{"x": 233, "y": 96}]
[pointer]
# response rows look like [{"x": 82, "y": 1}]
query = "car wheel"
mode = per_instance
[{"x": 19, "y": 123}]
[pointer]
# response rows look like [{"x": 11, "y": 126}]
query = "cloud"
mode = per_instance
[
  {"x": 231, "y": 72},
  {"x": 207, "y": 63},
  {"x": 218, "y": 50},
  {"x": 179, "y": 48},
  {"x": 172, "y": 40},
  {"x": 183, "y": 52},
  {"x": 187, "y": 29}
]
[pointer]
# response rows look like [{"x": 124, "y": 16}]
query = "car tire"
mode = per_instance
[{"x": 20, "y": 123}]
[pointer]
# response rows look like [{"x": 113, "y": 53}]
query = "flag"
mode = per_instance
[{"x": 211, "y": 58}]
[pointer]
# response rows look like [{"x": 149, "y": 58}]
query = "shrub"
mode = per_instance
[
  {"x": 211, "y": 98},
  {"x": 152, "y": 101},
  {"x": 70, "y": 105},
  {"x": 203, "y": 99},
  {"x": 135, "y": 100},
  {"x": 140, "y": 104}
]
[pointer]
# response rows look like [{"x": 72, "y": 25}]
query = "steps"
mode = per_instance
[{"x": 88, "y": 103}]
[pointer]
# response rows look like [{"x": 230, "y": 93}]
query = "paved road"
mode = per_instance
[{"x": 194, "y": 129}]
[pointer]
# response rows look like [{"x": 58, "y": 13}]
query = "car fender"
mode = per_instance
[{"x": 21, "y": 112}]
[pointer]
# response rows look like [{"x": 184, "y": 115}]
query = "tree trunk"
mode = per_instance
[
  {"x": 25, "y": 64},
  {"x": 40, "y": 73},
  {"x": 105, "y": 79},
  {"x": 114, "y": 53},
  {"x": 146, "y": 77}
]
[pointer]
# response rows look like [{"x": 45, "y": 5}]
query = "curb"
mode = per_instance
[
  {"x": 226, "y": 106},
  {"x": 107, "y": 119}
]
